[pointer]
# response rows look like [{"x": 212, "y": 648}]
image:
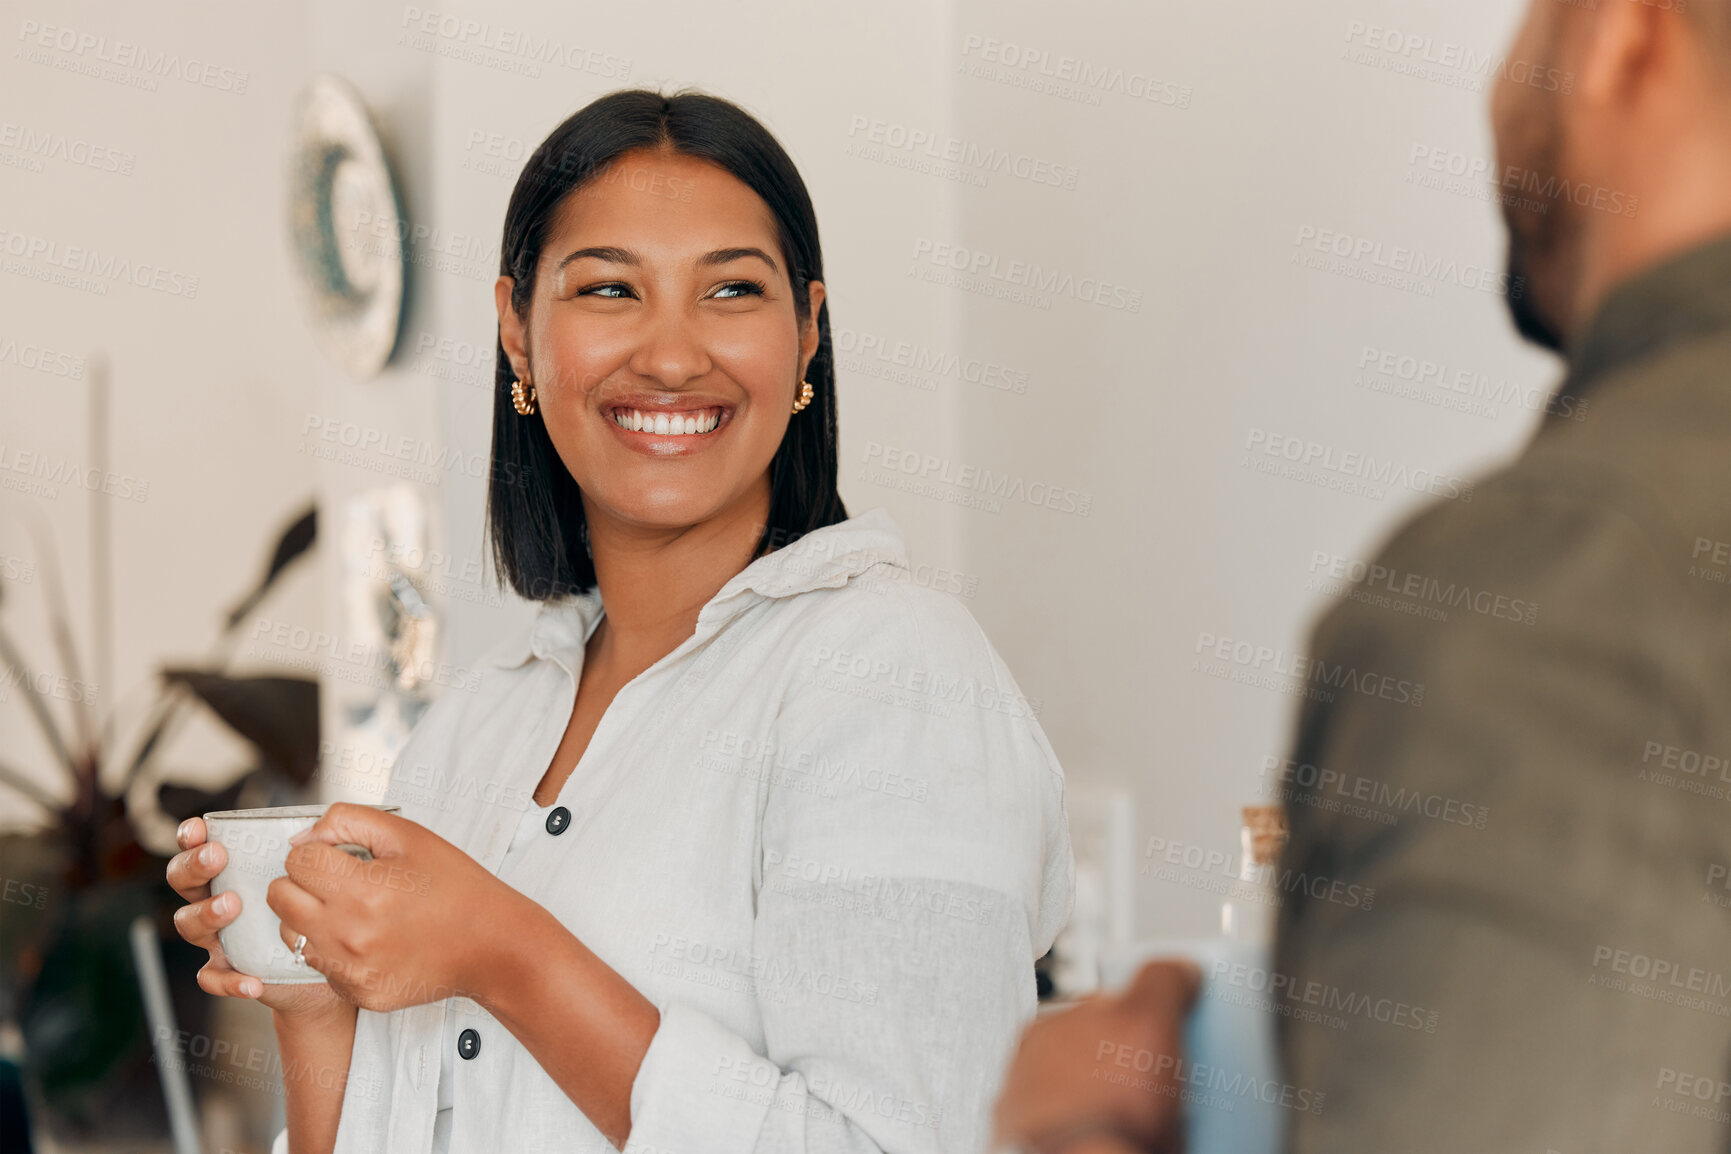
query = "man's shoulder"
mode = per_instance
[
  {"x": 1652, "y": 437},
  {"x": 1563, "y": 597},
  {"x": 1568, "y": 535}
]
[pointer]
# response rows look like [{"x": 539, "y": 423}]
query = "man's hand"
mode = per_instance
[{"x": 1104, "y": 1071}]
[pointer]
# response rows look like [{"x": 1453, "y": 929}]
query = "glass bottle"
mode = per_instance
[{"x": 1247, "y": 914}]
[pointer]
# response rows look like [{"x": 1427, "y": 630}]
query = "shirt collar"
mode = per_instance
[
  {"x": 826, "y": 558},
  {"x": 1679, "y": 299}
]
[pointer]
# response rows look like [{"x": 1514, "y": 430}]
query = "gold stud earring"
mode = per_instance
[
  {"x": 805, "y": 395},
  {"x": 523, "y": 396}
]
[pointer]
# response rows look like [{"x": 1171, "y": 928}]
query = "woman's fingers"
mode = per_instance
[
  {"x": 190, "y": 871},
  {"x": 290, "y": 936},
  {"x": 382, "y": 834},
  {"x": 191, "y": 833},
  {"x": 198, "y": 921},
  {"x": 292, "y": 905},
  {"x": 219, "y": 978}
]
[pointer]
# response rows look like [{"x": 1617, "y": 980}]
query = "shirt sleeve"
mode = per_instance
[
  {"x": 1527, "y": 867},
  {"x": 900, "y": 909}
]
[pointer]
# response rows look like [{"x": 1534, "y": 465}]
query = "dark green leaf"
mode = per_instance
[
  {"x": 296, "y": 539},
  {"x": 279, "y": 715}
]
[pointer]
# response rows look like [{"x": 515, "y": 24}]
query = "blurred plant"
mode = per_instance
[
  {"x": 277, "y": 715},
  {"x": 101, "y": 856}
]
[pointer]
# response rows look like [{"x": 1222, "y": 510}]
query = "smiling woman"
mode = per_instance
[
  {"x": 700, "y": 267},
  {"x": 751, "y": 842}
]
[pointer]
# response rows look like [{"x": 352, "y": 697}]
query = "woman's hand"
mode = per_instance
[
  {"x": 190, "y": 873},
  {"x": 408, "y": 927}
]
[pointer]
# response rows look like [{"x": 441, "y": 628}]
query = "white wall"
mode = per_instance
[
  {"x": 1146, "y": 415},
  {"x": 1199, "y": 207},
  {"x": 209, "y": 386}
]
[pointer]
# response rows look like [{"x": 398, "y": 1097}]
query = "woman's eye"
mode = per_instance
[
  {"x": 609, "y": 291},
  {"x": 734, "y": 290}
]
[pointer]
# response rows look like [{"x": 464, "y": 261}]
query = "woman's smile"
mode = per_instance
[{"x": 667, "y": 426}]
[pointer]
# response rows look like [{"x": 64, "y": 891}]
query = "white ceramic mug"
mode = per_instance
[{"x": 257, "y": 841}]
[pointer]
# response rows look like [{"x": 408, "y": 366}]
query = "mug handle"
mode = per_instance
[{"x": 359, "y": 851}]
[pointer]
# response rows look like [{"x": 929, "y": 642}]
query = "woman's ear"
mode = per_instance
[
  {"x": 809, "y": 336},
  {"x": 511, "y": 335}
]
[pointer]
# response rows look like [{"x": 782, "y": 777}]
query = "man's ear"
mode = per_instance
[
  {"x": 1621, "y": 45},
  {"x": 511, "y": 334}
]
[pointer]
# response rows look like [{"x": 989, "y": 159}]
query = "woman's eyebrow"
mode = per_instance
[
  {"x": 724, "y": 255},
  {"x": 607, "y": 252},
  {"x": 613, "y": 254}
]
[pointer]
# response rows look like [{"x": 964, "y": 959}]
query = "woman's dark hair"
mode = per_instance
[{"x": 534, "y": 510}]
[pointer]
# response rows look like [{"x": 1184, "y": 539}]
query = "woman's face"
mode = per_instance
[{"x": 663, "y": 342}]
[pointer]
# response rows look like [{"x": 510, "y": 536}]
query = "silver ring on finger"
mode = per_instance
[{"x": 300, "y": 944}]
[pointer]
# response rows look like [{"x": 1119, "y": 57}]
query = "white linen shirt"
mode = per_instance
[
  {"x": 531, "y": 826},
  {"x": 825, "y": 836}
]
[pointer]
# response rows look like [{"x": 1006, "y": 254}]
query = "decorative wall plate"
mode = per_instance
[{"x": 345, "y": 227}]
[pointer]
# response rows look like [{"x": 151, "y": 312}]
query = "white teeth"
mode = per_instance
[{"x": 676, "y": 425}]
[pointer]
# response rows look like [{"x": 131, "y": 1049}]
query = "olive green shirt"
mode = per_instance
[{"x": 1547, "y": 830}]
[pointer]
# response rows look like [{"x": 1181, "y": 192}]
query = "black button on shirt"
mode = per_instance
[
  {"x": 558, "y": 821},
  {"x": 468, "y": 1044}
]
